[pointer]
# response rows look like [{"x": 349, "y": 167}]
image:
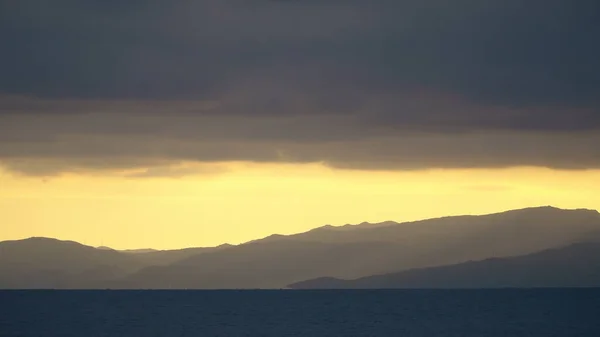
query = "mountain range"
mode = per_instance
[
  {"x": 541, "y": 246},
  {"x": 577, "y": 265}
]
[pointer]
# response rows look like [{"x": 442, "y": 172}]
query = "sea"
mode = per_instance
[{"x": 309, "y": 313}]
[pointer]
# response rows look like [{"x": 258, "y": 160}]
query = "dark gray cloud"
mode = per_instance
[
  {"x": 157, "y": 143},
  {"x": 95, "y": 84}
]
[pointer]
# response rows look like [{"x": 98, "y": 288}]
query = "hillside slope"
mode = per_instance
[
  {"x": 349, "y": 252},
  {"x": 576, "y": 265}
]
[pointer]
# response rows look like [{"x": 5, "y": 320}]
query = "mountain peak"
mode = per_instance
[
  {"x": 328, "y": 226},
  {"x": 104, "y": 248},
  {"x": 548, "y": 209},
  {"x": 42, "y": 240}
]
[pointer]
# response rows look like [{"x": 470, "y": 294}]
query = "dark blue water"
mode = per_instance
[{"x": 427, "y": 313}]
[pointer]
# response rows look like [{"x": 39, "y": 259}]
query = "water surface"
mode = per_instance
[{"x": 426, "y": 313}]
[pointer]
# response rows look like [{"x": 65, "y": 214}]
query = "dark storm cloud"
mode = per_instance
[
  {"x": 512, "y": 52},
  {"x": 348, "y": 83},
  {"x": 38, "y": 144}
]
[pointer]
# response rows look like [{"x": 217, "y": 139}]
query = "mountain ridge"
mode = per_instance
[
  {"x": 576, "y": 265},
  {"x": 348, "y": 252},
  {"x": 362, "y": 225}
]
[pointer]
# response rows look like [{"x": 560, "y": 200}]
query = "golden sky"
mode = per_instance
[
  {"x": 237, "y": 202},
  {"x": 231, "y": 108}
]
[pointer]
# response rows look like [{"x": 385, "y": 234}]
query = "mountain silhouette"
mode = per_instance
[
  {"x": 577, "y": 265},
  {"x": 49, "y": 263},
  {"x": 138, "y": 251},
  {"x": 151, "y": 257},
  {"x": 346, "y": 252},
  {"x": 261, "y": 265},
  {"x": 362, "y": 250}
]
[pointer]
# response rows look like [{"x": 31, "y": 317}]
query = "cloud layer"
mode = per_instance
[{"x": 380, "y": 84}]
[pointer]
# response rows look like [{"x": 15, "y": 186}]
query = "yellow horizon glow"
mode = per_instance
[{"x": 246, "y": 201}]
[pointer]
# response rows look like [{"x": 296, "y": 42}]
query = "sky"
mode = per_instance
[{"x": 147, "y": 123}]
